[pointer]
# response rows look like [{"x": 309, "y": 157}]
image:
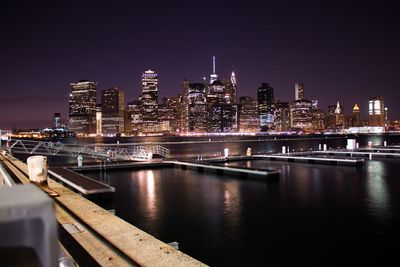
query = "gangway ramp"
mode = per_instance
[{"x": 111, "y": 151}]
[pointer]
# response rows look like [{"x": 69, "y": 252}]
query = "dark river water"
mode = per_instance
[{"x": 316, "y": 215}]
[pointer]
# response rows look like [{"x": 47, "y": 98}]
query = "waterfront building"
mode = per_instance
[
  {"x": 184, "y": 121},
  {"x": 376, "y": 113},
  {"x": 99, "y": 119},
  {"x": 248, "y": 115},
  {"x": 298, "y": 91},
  {"x": 356, "y": 119},
  {"x": 113, "y": 111},
  {"x": 82, "y": 108},
  {"x": 149, "y": 103},
  {"x": 197, "y": 108},
  {"x": 265, "y": 97},
  {"x": 301, "y": 117},
  {"x": 134, "y": 114}
]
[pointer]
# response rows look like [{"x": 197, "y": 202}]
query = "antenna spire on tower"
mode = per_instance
[{"x": 214, "y": 64}]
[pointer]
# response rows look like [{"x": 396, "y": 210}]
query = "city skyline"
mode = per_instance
[{"x": 340, "y": 51}]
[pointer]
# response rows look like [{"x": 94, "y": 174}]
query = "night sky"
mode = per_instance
[{"x": 341, "y": 50}]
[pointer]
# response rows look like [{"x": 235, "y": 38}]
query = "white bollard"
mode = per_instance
[
  {"x": 384, "y": 143},
  {"x": 37, "y": 169},
  {"x": 226, "y": 152},
  {"x": 370, "y": 156},
  {"x": 80, "y": 160},
  {"x": 283, "y": 149},
  {"x": 248, "y": 152},
  {"x": 357, "y": 145},
  {"x": 325, "y": 147},
  {"x": 319, "y": 147}
]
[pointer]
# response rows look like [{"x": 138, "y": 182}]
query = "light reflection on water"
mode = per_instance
[
  {"x": 314, "y": 212},
  {"x": 377, "y": 192}
]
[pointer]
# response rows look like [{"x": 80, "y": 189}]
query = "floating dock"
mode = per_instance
[
  {"x": 261, "y": 174},
  {"x": 79, "y": 182},
  {"x": 360, "y": 153},
  {"x": 298, "y": 157},
  {"x": 312, "y": 159}
]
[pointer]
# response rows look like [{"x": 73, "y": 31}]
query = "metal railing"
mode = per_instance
[{"x": 112, "y": 151}]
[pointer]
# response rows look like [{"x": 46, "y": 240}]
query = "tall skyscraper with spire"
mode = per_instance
[
  {"x": 355, "y": 120},
  {"x": 214, "y": 75}
]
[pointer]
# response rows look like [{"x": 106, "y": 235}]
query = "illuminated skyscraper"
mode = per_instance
[
  {"x": 82, "y": 108},
  {"x": 356, "y": 120},
  {"x": 149, "y": 100},
  {"x": 113, "y": 111},
  {"x": 376, "y": 112},
  {"x": 265, "y": 95},
  {"x": 298, "y": 91}
]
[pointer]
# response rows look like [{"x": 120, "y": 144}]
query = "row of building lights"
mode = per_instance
[{"x": 211, "y": 107}]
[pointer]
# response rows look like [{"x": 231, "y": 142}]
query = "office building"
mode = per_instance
[
  {"x": 376, "y": 112},
  {"x": 184, "y": 121},
  {"x": 301, "y": 117},
  {"x": 282, "y": 116},
  {"x": 356, "y": 119},
  {"x": 248, "y": 115},
  {"x": 57, "y": 120},
  {"x": 298, "y": 91},
  {"x": 99, "y": 118},
  {"x": 265, "y": 97},
  {"x": 197, "y": 108},
  {"x": 134, "y": 115},
  {"x": 113, "y": 111},
  {"x": 149, "y": 100},
  {"x": 82, "y": 108},
  {"x": 169, "y": 114}
]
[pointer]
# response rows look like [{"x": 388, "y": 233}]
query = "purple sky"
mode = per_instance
[{"x": 344, "y": 50}]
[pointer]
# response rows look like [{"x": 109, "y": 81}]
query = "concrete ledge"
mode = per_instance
[{"x": 117, "y": 236}]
